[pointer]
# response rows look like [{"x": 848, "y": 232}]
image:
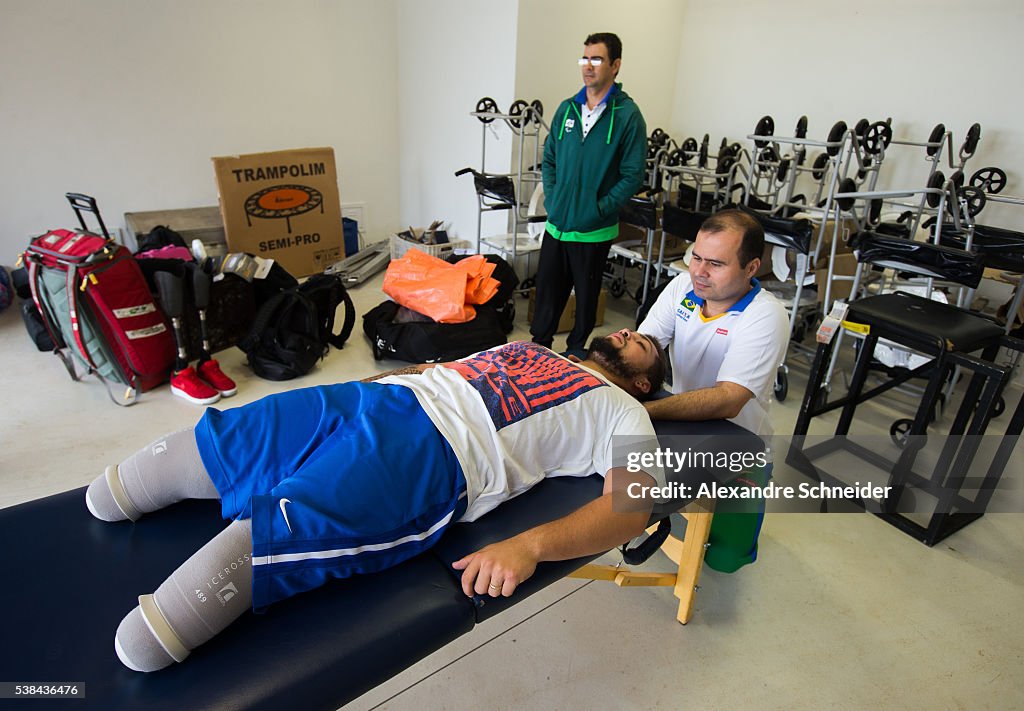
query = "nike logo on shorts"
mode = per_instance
[{"x": 285, "y": 514}]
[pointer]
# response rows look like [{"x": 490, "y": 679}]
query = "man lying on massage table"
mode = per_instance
[{"x": 351, "y": 478}]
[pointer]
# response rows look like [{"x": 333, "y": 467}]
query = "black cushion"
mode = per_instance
[
  {"x": 997, "y": 248},
  {"x": 925, "y": 324},
  {"x": 794, "y": 235},
  {"x": 894, "y": 229},
  {"x": 639, "y": 211},
  {"x": 924, "y": 258},
  {"x": 682, "y": 223}
]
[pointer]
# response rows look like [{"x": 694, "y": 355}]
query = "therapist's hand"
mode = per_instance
[{"x": 497, "y": 569}]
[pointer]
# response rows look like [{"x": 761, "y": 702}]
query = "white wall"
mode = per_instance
[
  {"x": 920, "y": 62},
  {"x": 551, "y": 38},
  {"x": 451, "y": 53},
  {"x": 128, "y": 100},
  {"x": 454, "y": 52}
]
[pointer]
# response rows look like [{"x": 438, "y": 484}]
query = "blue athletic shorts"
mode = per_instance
[{"x": 338, "y": 479}]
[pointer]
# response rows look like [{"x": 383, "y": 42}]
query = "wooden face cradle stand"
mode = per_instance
[{"x": 687, "y": 553}]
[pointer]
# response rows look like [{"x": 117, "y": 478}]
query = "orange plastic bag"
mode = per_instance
[
  {"x": 480, "y": 287},
  {"x": 433, "y": 287}
]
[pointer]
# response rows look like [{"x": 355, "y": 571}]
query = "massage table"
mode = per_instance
[{"x": 72, "y": 578}]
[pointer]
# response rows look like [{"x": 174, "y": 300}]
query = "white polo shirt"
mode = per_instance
[{"x": 745, "y": 345}]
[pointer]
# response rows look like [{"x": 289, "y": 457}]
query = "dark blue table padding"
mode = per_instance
[
  {"x": 557, "y": 497},
  {"x": 549, "y": 500},
  {"x": 71, "y": 578}
]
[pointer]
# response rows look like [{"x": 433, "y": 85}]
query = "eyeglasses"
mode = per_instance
[{"x": 592, "y": 61}]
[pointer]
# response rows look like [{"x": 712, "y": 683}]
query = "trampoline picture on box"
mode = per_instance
[{"x": 283, "y": 202}]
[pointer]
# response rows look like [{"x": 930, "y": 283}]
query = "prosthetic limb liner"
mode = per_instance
[
  {"x": 204, "y": 595},
  {"x": 167, "y": 471}
]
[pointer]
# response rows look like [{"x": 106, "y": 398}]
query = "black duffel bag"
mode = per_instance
[
  {"x": 396, "y": 332},
  {"x": 428, "y": 341}
]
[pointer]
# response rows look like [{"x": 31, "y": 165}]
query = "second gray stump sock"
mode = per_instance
[{"x": 204, "y": 595}]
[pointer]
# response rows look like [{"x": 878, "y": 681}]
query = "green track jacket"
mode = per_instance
[{"x": 586, "y": 181}]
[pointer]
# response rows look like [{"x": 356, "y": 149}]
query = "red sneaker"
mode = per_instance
[
  {"x": 211, "y": 373},
  {"x": 186, "y": 384}
]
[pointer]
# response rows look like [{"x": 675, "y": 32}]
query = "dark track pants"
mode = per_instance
[{"x": 564, "y": 266}]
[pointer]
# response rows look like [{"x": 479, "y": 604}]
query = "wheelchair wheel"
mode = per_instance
[
  {"x": 899, "y": 432},
  {"x": 781, "y": 385},
  {"x": 617, "y": 287},
  {"x": 1000, "y": 407}
]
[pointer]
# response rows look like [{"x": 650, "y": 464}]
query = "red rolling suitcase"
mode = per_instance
[{"x": 97, "y": 306}]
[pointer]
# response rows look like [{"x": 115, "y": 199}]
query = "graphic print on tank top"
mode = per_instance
[{"x": 520, "y": 379}]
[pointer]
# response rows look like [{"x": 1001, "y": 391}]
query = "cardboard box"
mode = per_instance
[
  {"x": 201, "y": 223},
  {"x": 845, "y": 266},
  {"x": 630, "y": 233},
  {"x": 765, "y": 270},
  {"x": 283, "y": 206},
  {"x": 847, "y": 228},
  {"x": 568, "y": 319}
]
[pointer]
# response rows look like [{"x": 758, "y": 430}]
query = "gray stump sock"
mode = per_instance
[
  {"x": 204, "y": 595},
  {"x": 167, "y": 471}
]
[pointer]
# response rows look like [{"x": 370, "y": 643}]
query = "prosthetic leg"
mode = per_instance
[
  {"x": 208, "y": 368},
  {"x": 185, "y": 382}
]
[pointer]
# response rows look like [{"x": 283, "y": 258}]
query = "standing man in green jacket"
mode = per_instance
[{"x": 594, "y": 161}]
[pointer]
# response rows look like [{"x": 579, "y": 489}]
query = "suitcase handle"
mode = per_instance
[{"x": 85, "y": 203}]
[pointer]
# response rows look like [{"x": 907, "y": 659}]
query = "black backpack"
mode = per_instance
[
  {"x": 295, "y": 328},
  {"x": 29, "y": 313}
]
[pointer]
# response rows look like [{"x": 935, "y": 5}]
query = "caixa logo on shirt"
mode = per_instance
[{"x": 685, "y": 308}]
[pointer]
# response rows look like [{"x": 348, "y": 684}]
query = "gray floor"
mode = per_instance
[{"x": 841, "y": 610}]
